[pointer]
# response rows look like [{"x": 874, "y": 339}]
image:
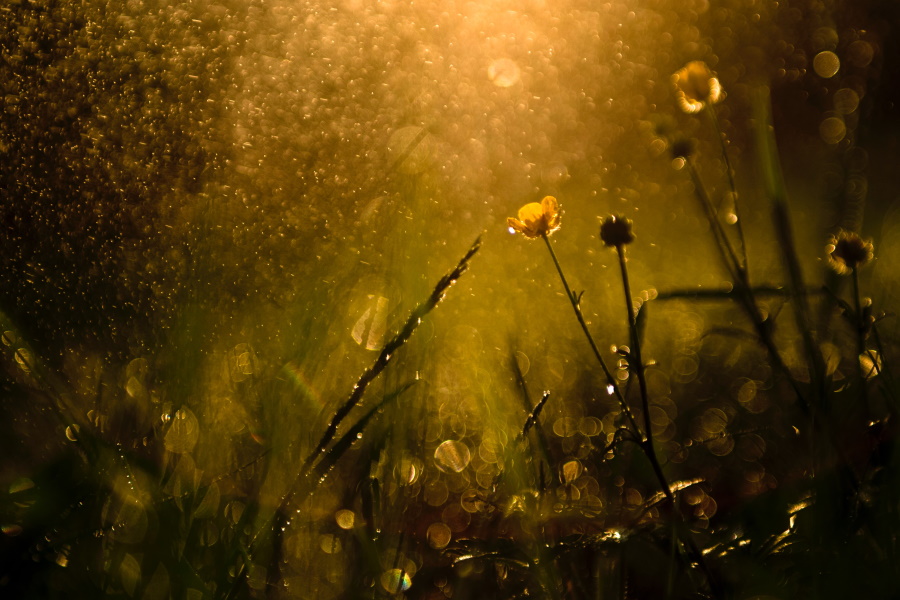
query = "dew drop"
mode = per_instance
[
  {"x": 452, "y": 455},
  {"x": 826, "y": 64},
  {"x": 395, "y": 581}
]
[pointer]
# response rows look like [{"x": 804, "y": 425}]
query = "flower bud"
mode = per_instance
[{"x": 616, "y": 231}]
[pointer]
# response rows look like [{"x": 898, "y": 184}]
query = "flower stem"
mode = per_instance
[
  {"x": 714, "y": 117},
  {"x": 732, "y": 264},
  {"x": 636, "y": 363},
  {"x": 635, "y": 352},
  {"x": 860, "y": 338},
  {"x": 576, "y": 306},
  {"x": 741, "y": 281}
]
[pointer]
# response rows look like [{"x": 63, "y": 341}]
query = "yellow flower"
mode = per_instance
[
  {"x": 848, "y": 251},
  {"x": 537, "y": 218},
  {"x": 696, "y": 87}
]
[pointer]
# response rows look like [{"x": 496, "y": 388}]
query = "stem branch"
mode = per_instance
[{"x": 576, "y": 306}]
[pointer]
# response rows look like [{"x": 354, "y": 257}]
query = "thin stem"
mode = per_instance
[
  {"x": 732, "y": 263},
  {"x": 636, "y": 362},
  {"x": 860, "y": 338},
  {"x": 576, "y": 306},
  {"x": 741, "y": 282},
  {"x": 635, "y": 352},
  {"x": 886, "y": 373},
  {"x": 714, "y": 117}
]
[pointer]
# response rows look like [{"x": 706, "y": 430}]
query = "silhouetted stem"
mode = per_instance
[
  {"x": 860, "y": 339},
  {"x": 883, "y": 370},
  {"x": 741, "y": 283},
  {"x": 359, "y": 388},
  {"x": 635, "y": 349},
  {"x": 637, "y": 364},
  {"x": 714, "y": 117},
  {"x": 732, "y": 264},
  {"x": 412, "y": 322},
  {"x": 576, "y": 306}
]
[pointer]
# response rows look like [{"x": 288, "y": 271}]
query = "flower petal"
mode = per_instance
[
  {"x": 530, "y": 213},
  {"x": 515, "y": 224},
  {"x": 550, "y": 207}
]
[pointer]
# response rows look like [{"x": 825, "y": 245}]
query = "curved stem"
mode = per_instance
[
  {"x": 576, "y": 306},
  {"x": 741, "y": 281},
  {"x": 735, "y": 269},
  {"x": 714, "y": 117},
  {"x": 636, "y": 362},
  {"x": 635, "y": 352},
  {"x": 860, "y": 338}
]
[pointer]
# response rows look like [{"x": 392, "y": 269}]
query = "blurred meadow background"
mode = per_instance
[{"x": 217, "y": 213}]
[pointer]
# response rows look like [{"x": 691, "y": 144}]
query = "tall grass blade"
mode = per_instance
[
  {"x": 775, "y": 187},
  {"x": 387, "y": 351},
  {"x": 533, "y": 416},
  {"x": 330, "y": 458},
  {"x": 542, "y": 446}
]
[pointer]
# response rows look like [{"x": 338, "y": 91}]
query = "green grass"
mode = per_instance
[{"x": 756, "y": 458}]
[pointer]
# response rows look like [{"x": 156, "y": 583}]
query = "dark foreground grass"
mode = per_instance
[{"x": 770, "y": 472}]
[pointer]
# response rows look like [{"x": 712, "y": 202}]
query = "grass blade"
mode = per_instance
[
  {"x": 415, "y": 318},
  {"x": 330, "y": 458}
]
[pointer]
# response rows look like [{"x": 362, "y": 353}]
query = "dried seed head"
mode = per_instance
[
  {"x": 682, "y": 147},
  {"x": 616, "y": 231},
  {"x": 696, "y": 87},
  {"x": 848, "y": 251}
]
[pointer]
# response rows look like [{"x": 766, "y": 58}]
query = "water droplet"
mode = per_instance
[
  {"x": 846, "y": 101},
  {"x": 504, "y": 72},
  {"x": 571, "y": 471},
  {"x": 183, "y": 432},
  {"x": 438, "y": 535},
  {"x": 452, "y": 455},
  {"x": 330, "y": 544},
  {"x": 395, "y": 581},
  {"x": 826, "y": 64},
  {"x": 345, "y": 518},
  {"x": 860, "y": 53},
  {"x": 20, "y": 485},
  {"x": 832, "y": 130},
  {"x": 370, "y": 327}
]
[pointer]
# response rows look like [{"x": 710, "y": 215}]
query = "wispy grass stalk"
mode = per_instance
[
  {"x": 720, "y": 135},
  {"x": 541, "y": 446},
  {"x": 775, "y": 187},
  {"x": 881, "y": 364},
  {"x": 387, "y": 351},
  {"x": 635, "y": 362},
  {"x": 740, "y": 279},
  {"x": 726, "y": 250},
  {"x": 532, "y": 419},
  {"x": 322, "y": 459},
  {"x": 860, "y": 327}
]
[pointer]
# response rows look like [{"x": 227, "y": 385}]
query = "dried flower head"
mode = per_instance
[
  {"x": 682, "y": 147},
  {"x": 616, "y": 231},
  {"x": 848, "y": 251},
  {"x": 696, "y": 87},
  {"x": 537, "y": 218}
]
